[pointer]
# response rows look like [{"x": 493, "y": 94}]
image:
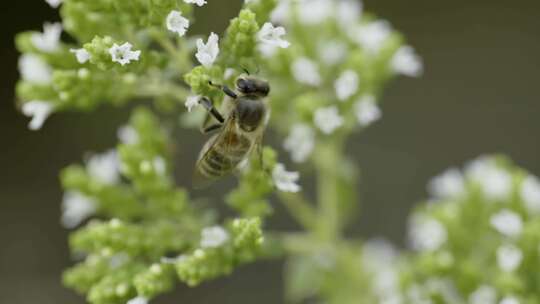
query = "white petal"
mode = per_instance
[
  {"x": 104, "y": 167},
  {"x": 530, "y": 193},
  {"x": 509, "y": 257},
  {"x": 507, "y": 223},
  {"x": 212, "y": 237},
  {"x": 367, "y": 111},
  {"x": 406, "y": 62},
  {"x": 332, "y": 52},
  {"x": 76, "y": 208},
  {"x": 311, "y": 12},
  {"x": 509, "y": 300},
  {"x": 328, "y": 119},
  {"x": 198, "y": 2},
  {"x": 82, "y": 55},
  {"x": 426, "y": 233},
  {"x": 128, "y": 135},
  {"x": 306, "y": 71},
  {"x": 49, "y": 40},
  {"x": 34, "y": 69},
  {"x": 346, "y": 85},
  {"x": 348, "y": 13},
  {"x": 300, "y": 142},
  {"x": 54, "y": 3},
  {"x": 284, "y": 180},
  {"x": 39, "y": 111},
  {"x": 207, "y": 53},
  {"x": 177, "y": 23},
  {"x": 192, "y": 101},
  {"x": 123, "y": 54},
  {"x": 449, "y": 184},
  {"x": 138, "y": 300},
  {"x": 495, "y": 182},
  {"x": 273, "y": 35},
  {"x": 372, "y": 36},
  {"x": 483, "y": 295}
]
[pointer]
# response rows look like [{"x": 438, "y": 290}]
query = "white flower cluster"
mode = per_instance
[
  {"x": 310, "y": 69},
  {"x": 506, "y": 201},
  {"x": 213, "y": 237}
]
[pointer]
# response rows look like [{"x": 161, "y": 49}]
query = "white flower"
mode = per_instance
[
  {"x": 346, "y": 85},
  {"x": 39, "y": 111},
  {"x": 282, "y": 12},
  {"x": 284, "y": 180},
  {"x": 348, "y": 13},
  {"x": 507, "y": 223},
  {"x": 495, "y": 182},
  {"x": 177, "y": 23},
  {"x": 328, "y": 119},
  {"x": 128, "y": 135},
  {"x": 82, "y": 55},
  {"x": 138, "y": 300},
  {"x": 509, "y": 257},
  {"x": 104, "y": 167},
  {"x": 273, "y": 35},
  {"x": 76, "y": 208},
  {"x": 332, "y": 52},
  {"x": 34, "y": 69},
  {"x": 449, "y": 184},
  {"x": 483, "y": 295},
  {"x": 311, "y": 12},
  {"x": 229, "y": 72},
  {"x": 123, "y": 53},
  {"x": 212, "y": 237},
  {"x": 159, "y": 165},
  {"x": 367, "y": 111},
  {"x": 530, "y": 193},
  {"x": 426, "y": 233},
  {"x": 373, "y": 35},
  {"x": 378, "y": 254},
  {"x": 192, "y": 101},
  {"x": 49, "y": 40},
  {"x": 198, "y": 2},
  {"x": 267, "y": 50},
  {"x": 300, "y": 142},
  {"x": 207, "y": 53},
  {"x": 306, "y": 71},
  {"x": 54, "y": 3},
  {"x": 509, "y": 300},
  {"x": 406, "y": 62}
]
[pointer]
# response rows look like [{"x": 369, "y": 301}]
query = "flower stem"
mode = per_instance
[
  {"x": 300, "y": 209},
  {"x": 327, "y": 160}
]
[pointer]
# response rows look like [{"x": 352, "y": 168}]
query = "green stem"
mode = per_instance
[
  {"x": 300, "y": 209},
  {"x": 327, "y": 159}
]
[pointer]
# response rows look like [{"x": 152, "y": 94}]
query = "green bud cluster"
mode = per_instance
[{"x": 207, "y": 263}]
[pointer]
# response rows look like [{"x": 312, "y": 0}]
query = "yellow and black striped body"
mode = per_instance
[
  {"x": 239, "y": 136},
  {"x": 222, "y": 154}
]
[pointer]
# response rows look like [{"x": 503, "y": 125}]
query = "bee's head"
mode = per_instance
[{"x": 249, "y": 85}]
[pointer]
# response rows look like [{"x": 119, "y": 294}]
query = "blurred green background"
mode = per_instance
[{"x": 480, "y": 94}]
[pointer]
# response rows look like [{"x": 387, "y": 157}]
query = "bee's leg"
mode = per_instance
[
  {"x": 211, "y": 128},
  {"x": 209, "y": 106},
  {"x": 225, "y": 89}
]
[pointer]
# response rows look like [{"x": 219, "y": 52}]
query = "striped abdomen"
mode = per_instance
[{"x": 223, "y": 156}]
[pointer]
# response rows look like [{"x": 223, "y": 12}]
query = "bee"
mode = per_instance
[{"x": 240, "y": 132}]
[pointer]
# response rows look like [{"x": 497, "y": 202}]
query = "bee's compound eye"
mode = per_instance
[{"x": 241, "y": 84}]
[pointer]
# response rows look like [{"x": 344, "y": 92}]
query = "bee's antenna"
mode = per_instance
[{"x": 246, "y": 70}]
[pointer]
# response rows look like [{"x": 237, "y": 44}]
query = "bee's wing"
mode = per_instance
[{"x": 200, "y": 180}]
